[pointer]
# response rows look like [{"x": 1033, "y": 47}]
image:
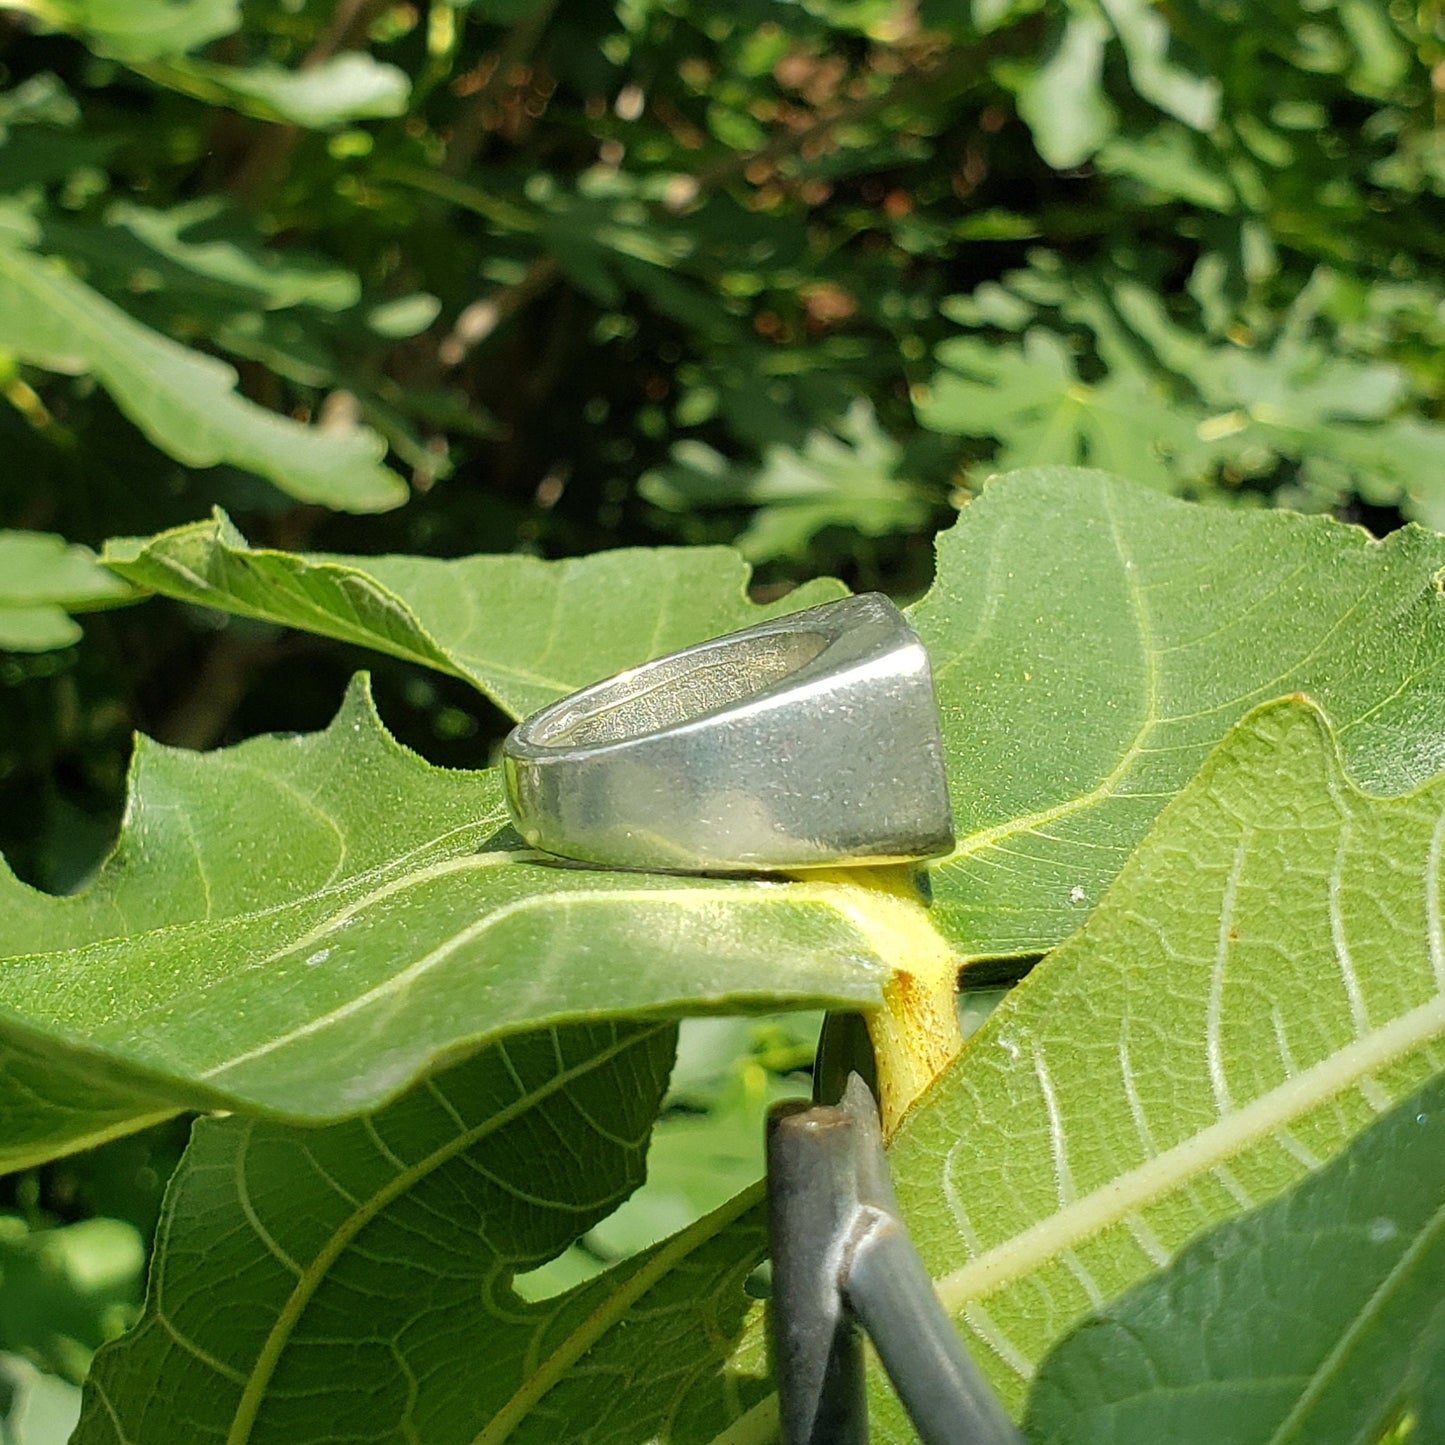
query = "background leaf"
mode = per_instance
[
  {"x": 857, "y": 478},
  {"x": 182, "y": 399},
  {"x": 1145, "y": 36},
  {"x": 523, "y": 631},
  {"x": 37, "y": 1408},
  {"x": 42, "y": 579},
  {"x": 1032, "y": 398},
  {"x": 1301, "y": 1320},
  {"x": 1063, "y": 101},
  {"x": 1111, "y": 371},
  {"x": 137, "y": 29},
  {"x": 204, "y": 247},
  {"x": 67, "y": 1289},
  {"x": 341, "y": 88}
]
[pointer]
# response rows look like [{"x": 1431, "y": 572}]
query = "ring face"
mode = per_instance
[{"x": 805, "y": 742}]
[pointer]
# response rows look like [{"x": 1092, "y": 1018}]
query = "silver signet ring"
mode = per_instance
[{"x": 804, "y": 742}]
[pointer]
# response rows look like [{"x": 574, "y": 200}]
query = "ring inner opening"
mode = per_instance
[{"x": 665, "y": 696}]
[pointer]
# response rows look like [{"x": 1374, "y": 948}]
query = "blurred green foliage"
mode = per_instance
[
  {"x": 446, "y": 276},
  {"x": 797, "y": 275},
  {"x": 35, "y": 1408},
  {"x": 67, "y": 1289}
]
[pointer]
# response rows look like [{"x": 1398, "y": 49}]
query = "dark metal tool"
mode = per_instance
[{"x": 843, "y": 1264}]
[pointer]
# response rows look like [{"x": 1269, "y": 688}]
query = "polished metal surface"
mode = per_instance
[{"x": 809, "y": 741}]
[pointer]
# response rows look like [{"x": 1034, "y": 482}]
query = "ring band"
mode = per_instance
[{"x": 805, "y": 742}]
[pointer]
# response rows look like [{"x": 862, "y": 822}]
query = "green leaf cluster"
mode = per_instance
[
  {"x": 429, "y": 1037},
  {"x": 721, "y": 251},
  {"x": 446, "y": 317},
  {"x": 1247, "y": 297},
  {"x": 41, "y": 581}
]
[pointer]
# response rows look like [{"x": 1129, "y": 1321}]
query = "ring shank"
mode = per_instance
[{"x": 804, "y": 742}]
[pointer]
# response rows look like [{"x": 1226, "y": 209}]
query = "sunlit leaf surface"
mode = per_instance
[
  {"x": 183, "y": 400},
  {"x": 303, "y": 925},
  {"x": 1091, "y": 642}
]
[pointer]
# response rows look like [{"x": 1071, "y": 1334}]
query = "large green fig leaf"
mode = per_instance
[
  {"x": 1265, "y": 977},
  {"x": 1319, "y": 1316},
  {"x": 303, "y": 925},
  {"x": 1092, "y": 641},
  {"x": 522, "y": 630},
  {"x": 366, "y": 1270},
  {"x": 1263, "y": 980}
]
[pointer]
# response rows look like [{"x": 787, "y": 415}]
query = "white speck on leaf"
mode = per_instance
[
  {"x": 1077, "y": 894},
  {"x": 1381, "y": 1229},
  {"x": 320, "y": 956}
]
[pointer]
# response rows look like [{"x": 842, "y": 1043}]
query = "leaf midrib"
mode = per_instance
[
  {"x": 530, "y": 903},
  {"x": 1136, "y": 1188},
  {"x": 330, "y": 623},
  {"x": 496, "y": 858},
  {"x": 988, "y": 837}
]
